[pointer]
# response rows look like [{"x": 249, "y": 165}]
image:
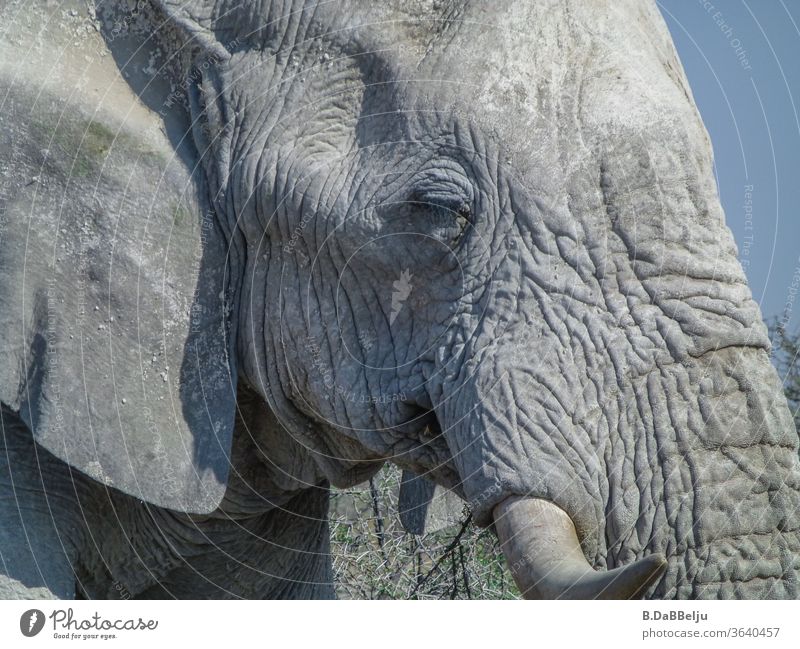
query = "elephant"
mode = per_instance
[{"x": 254, "y": 250}]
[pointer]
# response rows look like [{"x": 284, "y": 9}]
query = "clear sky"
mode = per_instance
[{"x": 742, "y": 58}]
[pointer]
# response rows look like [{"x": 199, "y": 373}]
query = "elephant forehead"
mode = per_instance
[
  {"x": 534, "y": 76},
  {"x": 523, "y": 71}
]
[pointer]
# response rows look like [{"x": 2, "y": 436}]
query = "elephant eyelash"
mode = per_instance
[
  {"x": 449, "y": 218},
  {"x": 465, "y": 213},
  {"x": 444, "y": 207},
  {"x": 461, "y": 213}
]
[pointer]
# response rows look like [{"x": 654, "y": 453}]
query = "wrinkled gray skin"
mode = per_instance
[{"x": 480, "y": 240}]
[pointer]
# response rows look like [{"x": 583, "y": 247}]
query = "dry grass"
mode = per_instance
[{"x": 375, "y": 558}]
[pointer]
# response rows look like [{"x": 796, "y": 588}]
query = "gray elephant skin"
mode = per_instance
[{"x": 250, "y": 250}]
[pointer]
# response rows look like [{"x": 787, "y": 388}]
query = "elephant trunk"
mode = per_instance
[
  {"x": 719, "y": 491},
  {"x": 683, "y": 482}
]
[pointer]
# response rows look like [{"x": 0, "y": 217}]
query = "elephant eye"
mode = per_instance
[
  {"x": 447, "y": 215},
  {"x": 465, "y": 213}
]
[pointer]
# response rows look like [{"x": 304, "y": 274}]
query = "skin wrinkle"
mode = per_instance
[
  {"x": 661, "y": 273},
  {"x": 629, "y": 531},
  {"x": 573, "y": 444},
  {"x": 668, "y": 500},
  {"x": 687, "y": 470}
]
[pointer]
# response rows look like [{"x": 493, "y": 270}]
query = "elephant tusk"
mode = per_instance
[{"x": 541, "y": 545}]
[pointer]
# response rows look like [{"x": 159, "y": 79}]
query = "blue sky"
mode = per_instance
[{"x": 742, "y": 58}]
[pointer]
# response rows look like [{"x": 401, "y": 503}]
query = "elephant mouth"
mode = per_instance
[
  {"x": 429, "y": 455},
  {"x": 542, "y": 548}
]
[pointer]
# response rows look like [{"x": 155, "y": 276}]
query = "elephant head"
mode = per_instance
[{"x": 482, "y": 241}]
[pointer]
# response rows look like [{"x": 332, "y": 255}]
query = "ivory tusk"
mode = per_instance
[{"x": 542, "y": 547}]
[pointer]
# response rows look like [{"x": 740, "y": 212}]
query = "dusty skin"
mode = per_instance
[{"x": 251, "y": 250}]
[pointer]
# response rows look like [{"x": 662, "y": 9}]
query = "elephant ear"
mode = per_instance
[{"x": 113, "y": 326}]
